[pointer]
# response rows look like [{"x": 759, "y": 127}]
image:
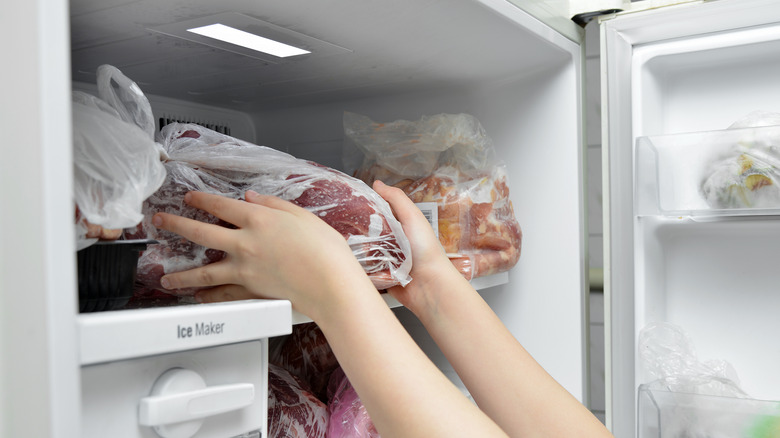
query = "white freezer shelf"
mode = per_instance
[
  {"x": 125, "y": 334},
  {"x": 478, "y": 283}
]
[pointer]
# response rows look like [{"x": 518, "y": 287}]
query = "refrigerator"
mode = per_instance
[{"x": 517, "y": 66}]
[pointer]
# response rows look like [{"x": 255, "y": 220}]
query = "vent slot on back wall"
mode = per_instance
[{"x": 165, "y": 119}]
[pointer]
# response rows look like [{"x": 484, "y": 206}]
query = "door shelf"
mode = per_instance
[
  {"x": 734, "y": 172},
  {"x": 665, "y": 414}
]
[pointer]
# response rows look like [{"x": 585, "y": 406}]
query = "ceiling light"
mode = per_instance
[{"x": 249, "y": 40}]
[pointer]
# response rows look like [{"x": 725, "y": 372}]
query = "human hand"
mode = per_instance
[
  {"x": 278, "y": 250},
  {"x": 431, "y": 263}
]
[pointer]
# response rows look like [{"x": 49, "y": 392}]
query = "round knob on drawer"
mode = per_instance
[
  {"x": 173, "y": 382},
  {"x": 180, "y": 400}
]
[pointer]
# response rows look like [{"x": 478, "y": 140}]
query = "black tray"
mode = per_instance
[{"x": 106, "y": 272}]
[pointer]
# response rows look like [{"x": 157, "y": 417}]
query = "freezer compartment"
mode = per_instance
[
  {"x": 665, "y": 414},
  {"x": 725, "y": 173}
]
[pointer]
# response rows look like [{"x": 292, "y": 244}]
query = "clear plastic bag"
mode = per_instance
[
  {"x": 293, "y": 411},
  {"x": 690, "y": 398},
  {"x": 116, "y": 162},
  {"x": 306, "y": 354},
  {"x": 747, "y": 175},
  {"x": 205, "y": 160},
  {"x": 348, "y": 415},
  {"x": 449, "y": 160}
]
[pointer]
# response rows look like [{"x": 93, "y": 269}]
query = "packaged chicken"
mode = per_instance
[
  {"x": 204, "y": 160},
  {"x": 447, "y": 161}
]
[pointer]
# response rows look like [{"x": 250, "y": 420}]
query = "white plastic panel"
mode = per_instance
[
  {"x": 123, "y": 334},
  {"x": 111, "y": 392}
]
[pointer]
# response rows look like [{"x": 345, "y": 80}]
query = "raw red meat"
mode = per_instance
[
  {"x": 293, "y": 412},
  {"x": 205, "y": 160},
  {"x": 307, "y": 355}
]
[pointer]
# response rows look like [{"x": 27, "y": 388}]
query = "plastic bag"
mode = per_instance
[
  {"x": 293, "y": 411},
  {"x": 690, "y": 398},
  {"x": 348, "y": 415},
  {"x": 748, "y": 175},
  {"x": 668, "y": 355},
  {"x": 116, "y": 163},
  {"x": 447, "y": 160},
  {"x": 306, "y": 354},
  {"x": 205, "y": 160}
]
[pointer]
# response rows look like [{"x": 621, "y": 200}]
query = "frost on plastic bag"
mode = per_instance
[
  {"x": 306, "y": 354},
  {"x": 748, "y": 174},
  {"x": 348, "y": 415},
  {"x": 449, "y": 160},
  {"x": 293, "y": 411},
  {"x": 116, "y": 162},
  {"x": 204, "y": 160}
]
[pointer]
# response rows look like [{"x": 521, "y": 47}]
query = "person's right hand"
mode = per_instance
[
  {"x": 279, "y": 250},
  {"x": 430, "y": 263}
]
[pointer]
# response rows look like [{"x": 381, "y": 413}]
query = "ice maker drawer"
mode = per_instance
[{"x": 115, "y": 394}]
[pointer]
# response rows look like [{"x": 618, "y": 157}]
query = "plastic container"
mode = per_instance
[
  {"x": 728, "y": 173},
  {"x": 666, "y": 414},
  {"x": 106, "y": 273}
]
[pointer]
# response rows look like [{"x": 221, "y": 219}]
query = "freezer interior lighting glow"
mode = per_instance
[{"x": 249, "y": 40}]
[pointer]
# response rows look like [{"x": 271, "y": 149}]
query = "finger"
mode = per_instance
[
  {"x": 208, "y": 235},
  {"x": 403, "y": 207},
  {"x": 272, "y": 202},
  {"x": 228, "y": 209},
  {"x": 228, "y": 292},
  {"x": 213, "y": 274}
]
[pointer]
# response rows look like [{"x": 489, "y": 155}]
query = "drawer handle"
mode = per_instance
[{"x": 180, "y": 395}]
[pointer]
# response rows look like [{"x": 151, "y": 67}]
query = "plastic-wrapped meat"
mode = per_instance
[
  {"x": 293, "y": 411},
  {"x": 447, "y": 159},
  {"x": 348, "y": 415},
  {"x": 205, "y": 160},
  {"x": 307, "y": 355},
  {"x": 477, "y": 225}
]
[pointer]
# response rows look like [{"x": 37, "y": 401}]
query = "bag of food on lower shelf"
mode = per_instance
[
  {"x": 306, "y": 354},
  {"x": 447, "y": 165},
  {"x": 293, "y": 411},
  {"x": 116, "y": 162},
  {"x": 205, "y": 160},
  {"x": 348, "y": 415}
]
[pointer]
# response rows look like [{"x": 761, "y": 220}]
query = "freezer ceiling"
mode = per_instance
[{"x": 359, "y": 48}]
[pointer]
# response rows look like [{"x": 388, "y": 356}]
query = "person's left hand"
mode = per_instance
[{"x": 279, "y": 250}]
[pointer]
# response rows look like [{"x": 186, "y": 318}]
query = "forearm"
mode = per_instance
[
  {"x": 404, "y": 393},
  {"x": 505, "y": 381}
]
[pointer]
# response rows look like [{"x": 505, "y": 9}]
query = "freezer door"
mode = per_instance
[{"x": 686, "y": 68}]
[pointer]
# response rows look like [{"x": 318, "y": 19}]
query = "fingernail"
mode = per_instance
[
  {"x": 251, "y": 194},
  {"x": 165, "y": 283},
  {"x": 157, "y": 220},
  {"x": 187, "y": 197}
]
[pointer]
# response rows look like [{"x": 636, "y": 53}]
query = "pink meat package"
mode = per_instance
[
  {"x": 348, "y": 415},
  {"x": 204, "y": 160}
]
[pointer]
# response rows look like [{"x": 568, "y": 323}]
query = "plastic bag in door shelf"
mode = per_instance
[
  {"x": 449, "y": 160},
  {"x": 204, "y": 160}
]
